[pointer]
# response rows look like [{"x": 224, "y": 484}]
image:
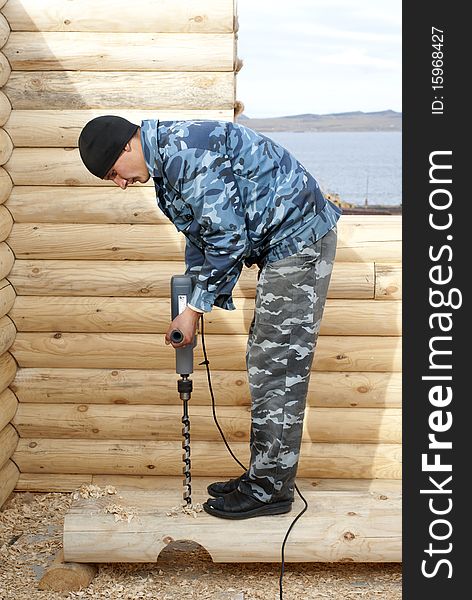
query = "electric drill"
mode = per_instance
[{"x": 181, "y": 290}]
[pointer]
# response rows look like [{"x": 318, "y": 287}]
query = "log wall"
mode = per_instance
[
  {"x": 89, "y": 286},
  {"x": 9, "y": 471}
]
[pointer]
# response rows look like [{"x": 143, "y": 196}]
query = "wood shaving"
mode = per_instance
[
  {"x": 121, "y": 513},
  {"x": 88, "y": 490},
  {"x": 187, "y": 509}
]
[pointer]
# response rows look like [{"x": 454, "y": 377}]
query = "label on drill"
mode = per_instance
[{"x": 182, "y": 302}]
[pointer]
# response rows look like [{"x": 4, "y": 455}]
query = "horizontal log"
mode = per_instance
[
  {"x": 388, "y": 281},
  {"x": 8, "y": 443},
  {"x": 47, "y": 482},
  {"x": 61, "y": 128},
  {"x": 138, "y": 386},
  {"x": 150, "y": 279},
  {"x": 163, "y": 242},
  {"x": 5, "y": 69},
  {"x": 7, "y": 297},
  {"x": 6, "y": 223},
  {"x": 5, "y": 109},
  {"x": 104, "y": 205},
  {"x": 35, "y": 482},
  {"x": 4, "y": 31},
  {"x": 121, "y": 15},
  {"x": 61, "y": 576},
  {"x": 346, "y": 526},
  {"x": 151, "y": 315},
  {"x": 6, "y": 147},
  {"x": 148, "y": 351},
  {"x": 73, "y": 90},
  {"x": 6, "y": 185},
  {"x": 7, "y": 370},
  {"x": 7, "y": 333},
  {"x": 163, "y": 422},
  {"x": 71, "y": 51},
  {"x": 8, "y": 406},
  {"x": 9, "y": 475},
  {"x": 122, "y": 457},
  {"x": 66, "y": 204},
  {"x": 7, "y": 259}
]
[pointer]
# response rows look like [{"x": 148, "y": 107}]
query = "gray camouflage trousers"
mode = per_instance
[{"x": 290, "y": 298}]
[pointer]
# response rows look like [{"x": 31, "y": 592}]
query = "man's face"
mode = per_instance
[{"x": 130, "y": 166}]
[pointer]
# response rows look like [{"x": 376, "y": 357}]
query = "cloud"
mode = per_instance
[{"x": 292, "y": 50}]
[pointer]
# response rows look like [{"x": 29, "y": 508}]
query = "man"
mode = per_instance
[{"x": 239, "y": 198}]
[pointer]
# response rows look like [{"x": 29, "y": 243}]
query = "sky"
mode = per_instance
[{"x": 319, "y": 56}]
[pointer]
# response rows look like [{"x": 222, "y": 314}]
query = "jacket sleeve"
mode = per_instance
[{"x": 205, "y": 181}]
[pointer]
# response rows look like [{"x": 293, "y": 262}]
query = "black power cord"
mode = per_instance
[{"x": 206, "y": 362}]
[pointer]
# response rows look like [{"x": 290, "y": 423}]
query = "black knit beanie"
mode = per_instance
[{"x": 102, "y": 140}]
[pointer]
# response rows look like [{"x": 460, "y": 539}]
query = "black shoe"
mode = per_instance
[
  {"x": 236, "y": 505},
  {"x": 220, "y": 488}
]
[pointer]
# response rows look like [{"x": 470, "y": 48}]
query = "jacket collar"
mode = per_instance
[{"x": 150, "y": 144}]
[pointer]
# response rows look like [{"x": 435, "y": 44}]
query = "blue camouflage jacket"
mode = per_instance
[{"x": 237, "y": 196}]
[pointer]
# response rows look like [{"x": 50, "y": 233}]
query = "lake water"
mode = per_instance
[{"x": 351, "y": 164}]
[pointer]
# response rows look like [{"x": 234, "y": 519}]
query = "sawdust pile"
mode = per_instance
[
  {"x": 187, "y": 509},
  {"x": 120, "y": 513},
  {"x": 31, "y": 526},
  {"x": 88, "y": 490}
]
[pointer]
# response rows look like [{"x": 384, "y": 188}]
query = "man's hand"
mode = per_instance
[{"x": 186, "y": 322}]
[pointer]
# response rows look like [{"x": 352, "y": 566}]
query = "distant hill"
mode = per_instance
[{"x": 385, "y": 120}]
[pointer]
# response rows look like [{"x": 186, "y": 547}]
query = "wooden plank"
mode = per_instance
[
  {"x": 9, "y": 475},
  {"x": 120, "y": 15},
  {"x": 70, "y": 51},
  {"x": 127, "y": 457},
  {"x": 163, "y": 422},
  {"x": 388, "y": 281},
  {"x": 151, "y": 315},
  {"x": 150, "y": 279},
  {"x": 338, "y": 526},
  {"x": 75, "y": 90},
  {"x": 7, "y": 370},
  {"x": 7, "y": 259},
  {"x": 8, "y": 406},
  {"x": 139, "y": 386},
  {"x": 8, "y": 442},
  {"x": 160, "y": 242},
  {"x": 60, "y": 128},
  {"x": 141, "y": 350}
]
